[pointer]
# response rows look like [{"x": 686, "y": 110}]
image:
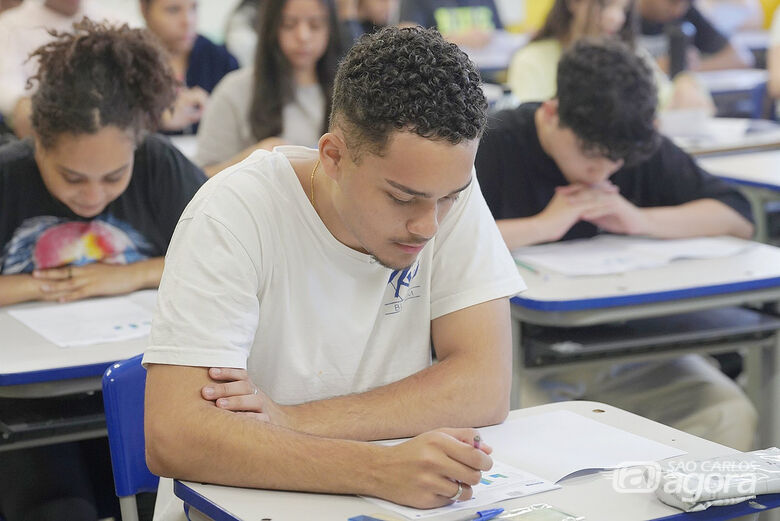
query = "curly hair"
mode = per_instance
[
  {"x": 607, "y": 97},
  {"x": 409, "y": 80},
  {"x": 100, "y": 75}
]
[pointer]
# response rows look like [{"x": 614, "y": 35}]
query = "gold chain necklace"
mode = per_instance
[{"x": 311, "y": 184}]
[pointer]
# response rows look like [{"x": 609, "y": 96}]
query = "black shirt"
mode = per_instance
[
  {"x": 518, "y": 179},
  {"x": 708, "y": 39},
  {"x": 39, "y": 231}
]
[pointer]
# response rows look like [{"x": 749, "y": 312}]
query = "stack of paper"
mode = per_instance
[
  {"x": 607, "y": 254},
  {"x": 531, "y": 454},
  {"x": 87, "y": 322}
]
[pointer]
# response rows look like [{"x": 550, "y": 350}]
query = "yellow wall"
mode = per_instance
[
  {"x": 769, "y": 10},
  {"x": 535, "y": 13}
]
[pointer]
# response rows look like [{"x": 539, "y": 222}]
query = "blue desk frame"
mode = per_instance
[{"x": 215, "y": 512}]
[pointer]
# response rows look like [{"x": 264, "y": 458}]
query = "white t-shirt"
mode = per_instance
[
  {"x": 25, "y": 28},
  {"x": 254, "y": 279},
  {"x": 225, "y": 131}
]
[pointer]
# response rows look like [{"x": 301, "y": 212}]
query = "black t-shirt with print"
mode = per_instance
[
  {"x": 518, "y": 179},
  {"x": 39, "y": 231}
]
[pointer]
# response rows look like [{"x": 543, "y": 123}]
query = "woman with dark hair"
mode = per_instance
[
  {"x": 533, "y": 70},
  {"x": 87, "y": 207},
  {"x": 285, "y": 97}
]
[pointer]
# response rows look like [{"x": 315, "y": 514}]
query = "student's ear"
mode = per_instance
[
  {"x": 550, "y": 111},
  {"x": 333, "y": 152}
]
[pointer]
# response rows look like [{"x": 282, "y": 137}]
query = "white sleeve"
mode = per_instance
[
  {"x": 219, "y": 131},
  {"x": 471, "y": 263},
  {"x": 207, "y": 305},
  {"x": 775, "y": 31}
]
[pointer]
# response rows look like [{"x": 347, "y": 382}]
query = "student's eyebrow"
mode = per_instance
[
  {"x": 424, "y": 195},
  {"x": 73, "y": 172}
]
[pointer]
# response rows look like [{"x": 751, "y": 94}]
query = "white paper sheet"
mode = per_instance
[
  {"x": 556, "y": 444},
  {"x": 609, "y": 254},
  {"x": 87, "y": 322},
  {"x": 500, "y": 483}
]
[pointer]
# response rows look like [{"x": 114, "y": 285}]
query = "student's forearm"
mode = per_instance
[
  {"x": 704, "y": 217},
  {"x": 18, "y": 288},
  {"x": 728, "y": 58},
  {"x": 189, "y": 438},
  {"x": 525, "y": 231},
  {"x": 147, "y": 273},
  {"x": 773, "y": 64},
  {"x": 468, "y": 387}
]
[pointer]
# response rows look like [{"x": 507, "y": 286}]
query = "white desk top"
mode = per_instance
[
  {"x": 760, "y": 169},
  {"x": 498, "y": 53},
  {"x": 700, "y": 135},
  {"x": 187, "y": 145},
  {"x": 750, "y": 276},
  {"x": 591, "y": 495},
  {"x": 29, "y": 358},
  {"x": 732, "y": 80}
]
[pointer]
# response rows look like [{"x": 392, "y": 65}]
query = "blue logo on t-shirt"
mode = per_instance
[{"x": 402, "y": 282}]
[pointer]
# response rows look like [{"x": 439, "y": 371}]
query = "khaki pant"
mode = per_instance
[{"x": 689, "y": 393}]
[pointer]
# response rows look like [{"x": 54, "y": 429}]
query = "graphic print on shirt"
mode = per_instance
[
  {"x": 48, "y": 242},
  {"x": 402, "y": 282}
]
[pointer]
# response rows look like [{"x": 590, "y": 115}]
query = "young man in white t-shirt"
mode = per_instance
[{"x": 329, "y": 274}]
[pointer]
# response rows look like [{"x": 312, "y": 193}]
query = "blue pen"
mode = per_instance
[{"x": 484, "y": 515}]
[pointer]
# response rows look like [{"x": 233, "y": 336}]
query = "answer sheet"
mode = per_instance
[
  {"x": 555, "y": 444},
  {"x": 86, "y": 322},
  {"x": 608, "y": 254}
]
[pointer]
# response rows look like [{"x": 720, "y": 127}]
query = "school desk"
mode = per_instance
[{"x": 591, "y": 495}]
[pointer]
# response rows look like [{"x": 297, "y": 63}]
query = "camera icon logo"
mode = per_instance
[{"x": 636, "y": 477}]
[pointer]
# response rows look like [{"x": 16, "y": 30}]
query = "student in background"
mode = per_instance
[
  {"x": 589, "y": 160},
  {"x": 469, "y": 23},
  {"x": 773, "y": 58},
  {"x": 532, "y": 72},
  {"x": 359, "y": 17},
  {"x": 356, "y": 18},
  {"x": 87, "y": 207},
  {"x": 285, "y": 97},
  {"x": 22, "y": 30},
  {"x": 197, "y": 63},
  {"x": 711, "y": 50}
]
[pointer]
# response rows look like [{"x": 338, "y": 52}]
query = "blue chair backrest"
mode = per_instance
[{"x": 123, "y": 399}]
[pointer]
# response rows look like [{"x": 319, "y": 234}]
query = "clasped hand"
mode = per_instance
[
  {"x": 599, "y": 204},
  {"x": 70, "y": 283}
]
